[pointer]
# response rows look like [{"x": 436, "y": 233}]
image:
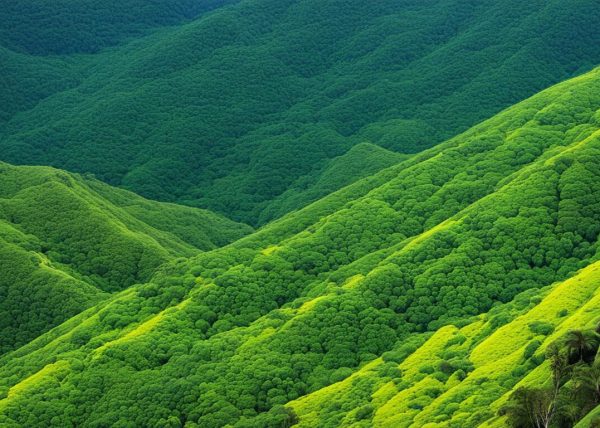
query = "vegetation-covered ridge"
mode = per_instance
[
  {"x": 314, "y": 318},
  {"x": 66, "y": 240},
  {"x": 481, "y": 373},
  {"x": 241, "y": 109}
]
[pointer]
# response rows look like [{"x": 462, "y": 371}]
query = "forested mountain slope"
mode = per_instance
[
  {"x": 41, "y": 40},
  {"x": 267, "y": 331},
  {"x": 464, "y": 375},
  {"x": 239, "y": 108},
  {"x": 55, "y": 27},
  {"x": 362, "y": 160},
  {"x": 65, "y": 241},
  {"x": 25, "y": 80}
]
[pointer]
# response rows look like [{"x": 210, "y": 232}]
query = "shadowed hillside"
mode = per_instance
[{"x": 235, "y": 109}]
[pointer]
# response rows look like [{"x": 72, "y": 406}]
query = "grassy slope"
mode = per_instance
[
  {"x": 66, "y": 240},
  {"x": 316, "y": 79},
  {"x": 226, "y": 337}
]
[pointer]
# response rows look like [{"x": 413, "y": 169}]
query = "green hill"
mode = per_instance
[
  {"x": 360, "y": 161},
  {"x": 461, "y": 375},
  {"x": 392, "y": 302},
  {"x": 234, "y": 109},
  {"x": 65, "y": 241},
  {"x": 25, "y": 80},
  {"x": 41, "y": 41},
  {"x": 45, "y": 27}
]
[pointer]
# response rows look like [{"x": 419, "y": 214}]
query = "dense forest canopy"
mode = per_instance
[
  {"x": 388, "y": 303},
  {"x": 58, "y": 27},
  {"x": 238, "y": 109},
  {"x": 66, "y": 240},
  {"x": 422, "y": 178}
]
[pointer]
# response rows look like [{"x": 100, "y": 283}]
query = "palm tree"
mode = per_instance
[
  {"x": 587, "y": 382},
  {"x": 559, "y": 365},
  {"x": 581, "y": 343}
]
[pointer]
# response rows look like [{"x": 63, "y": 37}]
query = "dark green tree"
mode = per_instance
[{"x": 581, "y": 344}]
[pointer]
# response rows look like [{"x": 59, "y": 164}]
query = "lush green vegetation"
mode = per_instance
[
  {"x": 43, "y": 27},
  {"x": 427, "y": 293},
  {"x": 411, "y": 269},
  {"x": 360, "y": 161},
  {"x": 573, "y": 387},
  {"x": 474, "y": 374},
  {"x": 240, "y": 109},
  {"x": 66, "y": 241},
  {"x": 37, "y": 35}
]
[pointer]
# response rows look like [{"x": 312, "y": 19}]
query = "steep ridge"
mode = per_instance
[
  {"x": 235, "y": 108},
  {"x": 67, "y": 240},
  {"x": 238, "y": 335}
]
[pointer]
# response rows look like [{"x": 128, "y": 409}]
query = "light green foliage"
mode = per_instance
[
  {"x": 367, "y": 307},
  {"x": 238, "y": 110}
]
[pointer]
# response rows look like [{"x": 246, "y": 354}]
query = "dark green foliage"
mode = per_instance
[
  {"x": 455, "y": 365},
  {"x": 43, "y": 27},
  {"x": 398, "y": 354},
  {"x": 531, "y": 348},
  {"x": 34, "y": 295},
  {"x": 364, "y": 412},
  {"x": 541, "y": 328},
  {"x": 572, "y": 391},
  {"x": 26, "y": 80},
  {"x": 32, "y": 33},
  {"x": 530, "y": 408},
  {"x": 360, "y": 161},
  {"x": 587, "y": 384},
  {"x": 178, "y": 116},
  {"x": 582, "y": 345},
  {"x": 255, "y": 110}
]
